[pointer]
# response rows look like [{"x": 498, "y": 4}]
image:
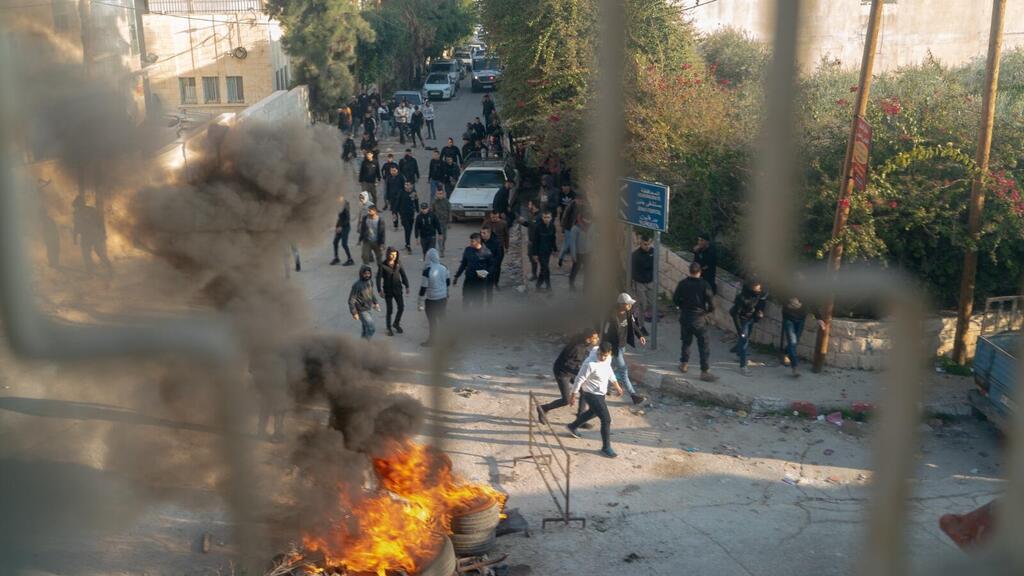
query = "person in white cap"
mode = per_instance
[{"x": 621, "y": 329}]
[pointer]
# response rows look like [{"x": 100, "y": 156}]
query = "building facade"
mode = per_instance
[
  {"x": 207, "y": 57},
  {"x": 952, "y": 31}
]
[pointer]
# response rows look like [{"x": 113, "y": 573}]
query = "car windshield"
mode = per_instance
[
  {"x": 437, "y": 79},
  {"x": 440, "y": 66},
  {"x": 485, "y": 64},
  {"x": 413, "y": 98},
  {"x": 462, "y": 55},
  {"x": 482, "y": 179}
]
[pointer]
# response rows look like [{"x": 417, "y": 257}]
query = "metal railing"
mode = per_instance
[
  {"x": 204, "y": 6},
  {"x": 1002, "y": 313},
  {"x": 554, "y": 463}
]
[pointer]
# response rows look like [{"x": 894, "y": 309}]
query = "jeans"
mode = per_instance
[
  {"x": 433, "y": 186},
  {"x": 398, "y": 302},
  {"x": 566, "y": 245},
  {"x": 343, "y": 238},
  {"x": 442, "y": 239},
  {"x": 792, "y": 329},
  {"x": 596, "y": 406},
  {"x": 645, "y": 295},
  {"x": 430, "y": 130},
  {"x": 621, "y": 370},
  {"x": 435, "y": 310},
  {"x": 743, "y": 330},
  {"x": 689, "y": 329},
  {"x": 366, "y": 319},
  {"x": 565, "y": 381}
]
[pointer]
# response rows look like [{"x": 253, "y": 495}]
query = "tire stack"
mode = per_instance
[{"x": 473, "y": 530}]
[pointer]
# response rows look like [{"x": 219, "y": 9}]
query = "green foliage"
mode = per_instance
[
  {"x": 321, "y": 38},
  {"x": 734, "y": 57}
]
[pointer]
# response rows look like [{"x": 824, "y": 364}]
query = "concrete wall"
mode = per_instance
[
  {"x": 954, "y": 31},
  {"x": 862, "y": 344},
  {"x": 203, "y": 46}
]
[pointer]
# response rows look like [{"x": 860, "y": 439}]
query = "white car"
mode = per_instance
[
  {"x": 474, "y": 193},
  {"x": 438, "y": 86}
]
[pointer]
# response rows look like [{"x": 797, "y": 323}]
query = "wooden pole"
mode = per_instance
[
  {"x": 988, "y": 110},
  {"x": 835, "y": 257}
]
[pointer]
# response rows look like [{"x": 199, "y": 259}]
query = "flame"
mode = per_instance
[{"x": 400, "y": 526}]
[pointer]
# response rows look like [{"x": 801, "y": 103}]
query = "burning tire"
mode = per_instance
[
  {"x": 444, "y": 563},
  {"x": 473, "y": 531}
]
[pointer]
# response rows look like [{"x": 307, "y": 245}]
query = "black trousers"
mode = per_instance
[
  {"x": 596, "y": 406},
  {"x": 473, "y": 292},
  {"x": 578, "y": 264},
  {"x": 690, "y": 328},
  {"x": 435, "y": 310},
  {"x": 544, "y": 275},
  {"x": 427, "y": 243},
  {"x": 533, "y": 265},
  {"x": 430, "y": 130},
  {"x": 564, "y": 381},
  {"x": 415, "y": 131},
  {"x": 343, "y": 238},
  {"x": 407, "y": 226},
  {"x": 396, "y": 303}
]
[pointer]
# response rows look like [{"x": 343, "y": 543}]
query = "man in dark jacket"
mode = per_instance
[
  {"x": 531, "y": 219},
  {"x": 416, "y": 126},
  {"x": 409, "y": 167},
  {"x": 394, "y": 184},
  {"x": 407, "y": 205},
  {"x": 642, "y": 273},
  {"x": 476, "y": 264},
  {"x": 451, "y": 150},
  {"x": 493, "y": 243},
  {"x": 696, "y": 301},
  {"x": 362, "y": 300},
  {"x": 705, "y": 254},
  {"x": 567, "y": 366},
  {"x": 427, "y": 228},
  {"x": 367, "y": 143},
  {"x": 348, "y": 149},
  {"x": 469, "y": 151},
  {"x": 620, "y": 330},
  {"x": 747, "y": 309},
  {"x": 488, "y": 109},
  {"x": 369, "y": 175},
  {"x": 451, "y": 175},
  {"x": 436, "y": 171},
  {"x": 371, "y": 235},
  {"x": 442, "y": 208},
  {"x": 342, "y": 228},
  {"x": 544, "y": 239},
  {"x": 385, "y": 169}
]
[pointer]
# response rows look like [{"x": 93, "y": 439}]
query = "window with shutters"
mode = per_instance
[
  {"x": 187, "y": 87},
  {"x": 211, "y": 90},
  {"x": 236, "y": 89}
]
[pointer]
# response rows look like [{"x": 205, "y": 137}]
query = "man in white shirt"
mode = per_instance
[
  {"x": 592, "y": 382},
  {"x": 402, "y": 114}
]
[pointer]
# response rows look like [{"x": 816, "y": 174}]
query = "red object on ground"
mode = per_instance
[
  {"x": 971, "y": 529},
  {"x": 806, "y": 408},
  {"x": 863, "y": 407}
]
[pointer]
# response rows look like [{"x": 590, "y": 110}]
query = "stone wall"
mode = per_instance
[{"x": 860, "y": 344}]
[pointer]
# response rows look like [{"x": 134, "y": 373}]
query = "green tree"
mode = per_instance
[{"x": 321, "y": 38}]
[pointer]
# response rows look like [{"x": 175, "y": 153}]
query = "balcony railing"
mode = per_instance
[{"x": 204, "y": 6}]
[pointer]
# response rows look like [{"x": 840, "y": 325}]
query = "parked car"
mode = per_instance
[
  {"x": 465, "y": 58},
  {"x": 413, "y": 97},
  {"x": 995, "y": 375},
  {"x": 438, "y": 86},
  {"x": 450, "y": 67},
  {"x": 474, "y": 193},
  {"x": 486, "y": 73}
]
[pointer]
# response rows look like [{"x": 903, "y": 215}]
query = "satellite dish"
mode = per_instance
[
  {"x": 151, "y": 58},
  {"x": 240, "y": 53}
]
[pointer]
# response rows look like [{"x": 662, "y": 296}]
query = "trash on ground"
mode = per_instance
[
  {"x": 790, "y": 479},
  {"x": 835, "y": 418},
  {"x": 631, "y": 557},
  {"x": 465, "y": 392},
  {"x": 741, "y": 413},
  {"x": 829, "y": 451}
]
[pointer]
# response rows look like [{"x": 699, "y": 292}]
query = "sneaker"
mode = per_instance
[
  {"x": 408, "y": 250},
  {"x": 390, "y": 332},
  {"x": 335, "y": 262},
  {"x": 638, "y": 398},
  {"x": 298, "y": 267},
  {"x": 541, "y": 416},
  {"x": 684, "y": 367},
  {"x": 349, "y": 262},
  {"x": 399, "y": 329},
  {"x": 608, "y": 452},
  {"x": 559, "y": 262},
  {"x": 587, "y": 425},
  {"x": 746, "y": 371},
  {"x": 708, "y": 376},
  {"x": 572, "y": 431}
]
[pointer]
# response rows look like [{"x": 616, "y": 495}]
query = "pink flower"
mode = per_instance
[
  {"x": 842, "y": 102},
  {"x": 892, "y": 204},
  {"x": 854, "y": 88},
  {"x": 891, "y": 106},
  {"x": 844, "y": 203},
  {"x": 687, "y": 66},
  {"x": 554, "y": 118}
]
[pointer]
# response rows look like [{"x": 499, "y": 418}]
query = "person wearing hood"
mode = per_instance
[
  {"x": 342, "y": 228},
  {"x": 369, "y": 175},
  {"x": 371, "y": 235},
  {"x": 476, "y": 264},
  {"x": 348, "y": 149},
  {"x": 391, "y": 279},
  {"x": 433, "y": 293},
  {"x": 364, "y": 204},
  {"x": 747, "y": 309},
  {"x": 362, "y": 301}
]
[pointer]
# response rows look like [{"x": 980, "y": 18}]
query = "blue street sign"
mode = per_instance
[{"x": 644, "y": 204}]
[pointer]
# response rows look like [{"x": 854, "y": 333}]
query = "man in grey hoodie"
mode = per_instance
[
  {"x": 433, "y": 292},
  {"x": 362, "y": 300}
]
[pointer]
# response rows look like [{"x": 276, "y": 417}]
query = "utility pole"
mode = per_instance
[
  {"x": 835, "y": 256},
  {"x": 988, "y": 110}
]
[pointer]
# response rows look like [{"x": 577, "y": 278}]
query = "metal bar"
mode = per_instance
[{"x": 657, "y": 291}]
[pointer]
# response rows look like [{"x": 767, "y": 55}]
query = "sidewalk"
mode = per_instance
[{"x": 771, "y": 388}]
